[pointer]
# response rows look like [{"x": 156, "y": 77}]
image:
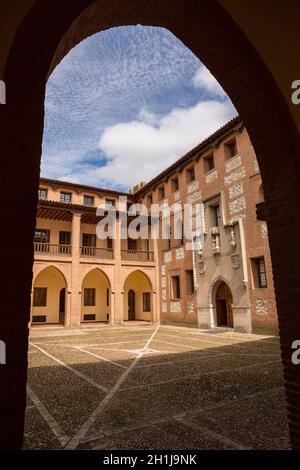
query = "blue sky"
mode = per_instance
[{"x": 124, "y": 104}]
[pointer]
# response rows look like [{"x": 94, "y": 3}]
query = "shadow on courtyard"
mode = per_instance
[{"x": 211, "y": 396}]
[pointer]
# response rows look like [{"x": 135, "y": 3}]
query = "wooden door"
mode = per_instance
[
  {"x": 62, "y": 306},
  {"x": 224, "y": 306},
  {"x": 131, "y": 304}
]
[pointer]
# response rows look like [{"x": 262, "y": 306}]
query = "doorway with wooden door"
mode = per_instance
[
  {"x": 224, "y": 306},
  {"x": 131, "y": 304},
  {"x": 62, "y": 306}
]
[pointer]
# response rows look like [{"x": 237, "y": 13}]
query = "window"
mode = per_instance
[
  {"x": 88, "y": 200},
  {"x": 43, "y": 193},
  {"x": 89, "y": 297},
  {"x": 161, "y": 193},
  {"x": 40, "y": 297},
  {"x": 41, "y": 235},
  {"x": 190, "y": 174},
  {"x": 174, "y": 184},
  {"x": 109, "y": 243},
  {"x": 189, "y": 274},
  {"x": 175, "y": 287},
  {"x": 217, "y": 215},
  {"x": 230, "y": 149},
  {"x": 64, "y": 238},
  {"x": 65, "y": 197},
  {"x": 131, "y": 244},
  {"x": 65, "y": 243},
  {"x": 109, "y": 203},
  {"x": 107, "y": 297},
  {"x": 149, "y": 200},
  {"x": 209, "y": 163},
  {"x": 88, "y": 239},
  {"x": 89, "y": 317},
  {"x": 259, "y": 272},
  {"x": 146, "y": 302}
]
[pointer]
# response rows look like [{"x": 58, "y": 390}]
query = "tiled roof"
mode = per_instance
[
  {"x": 191, "y": 154},
  {"x": 76, "y": 186}
]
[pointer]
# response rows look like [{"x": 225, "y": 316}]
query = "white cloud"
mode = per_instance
[
  {"x": 138, "y": 150},
  {"x": 204, "y": 80}
]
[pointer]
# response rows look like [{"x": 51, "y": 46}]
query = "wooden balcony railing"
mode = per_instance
[
  {"x": 93, "y": 252},
  {"x": 52, "y": 250},
  {"x": 137, "y": 255}
]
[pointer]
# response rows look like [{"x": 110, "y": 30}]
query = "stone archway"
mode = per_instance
[
  {"x": 47, "y": 32},
  {"x": 95, "y": 297},
  {"x": 47, "y": 297},
  {"x": 137, "y": 299},
  {"x": 223, "y": 305}
]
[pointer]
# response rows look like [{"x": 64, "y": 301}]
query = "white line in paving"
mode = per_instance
[
  {"x": 202, "y": 374},
  {"x": 30, "y": 407},
  {"x": 52, "y": 423},
  {"x": 196, "y": 359},
  {"x": 176, "y": 344},
  {"x": 73, "y": 443},
  {"x": 211, "y": 434},
  {"x": 86, "y": 344},
  {"x": 100, "y": 357},
  {"x": 238, "y": 340},
  {"x": 245, "y": 344},
  {"x": 76, "y": 372}
]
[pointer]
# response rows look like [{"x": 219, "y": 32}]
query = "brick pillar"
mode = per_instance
[
  {"x": 156, "y": 287},
  {"x": 117, "y": 306},
  {"x": 75, "y": 313}
]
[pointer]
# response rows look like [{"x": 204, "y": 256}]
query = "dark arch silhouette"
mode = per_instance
[{"x": 47, "y": 32}]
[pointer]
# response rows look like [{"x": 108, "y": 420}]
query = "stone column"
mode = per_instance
[{"x": 75, "y": 313}]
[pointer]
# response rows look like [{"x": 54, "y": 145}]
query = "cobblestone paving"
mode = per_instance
[{"x": 142, "y": 387}]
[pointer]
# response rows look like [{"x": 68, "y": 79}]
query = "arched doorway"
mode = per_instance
[
  {"x": 137, "y": 297},
  {"x": 95, "y": 297},
  {"x": 49, "y": 297},
  {"x": 224, "y": 314},
  {"x": 48, "y": 30}
]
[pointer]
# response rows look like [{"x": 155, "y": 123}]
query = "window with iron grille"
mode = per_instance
[
  {"x": 149, "y": 200},
  {"x": 64, "y": 238},
  {"x": 40, "y": 297},
  {"x": 259, "y": 272},
  {"x": 146, "y": 302},
  {"x": 131, "y": 244},
  {"x": 38, "y": 319},
  {"x": 174, "y": 184},
  {"x": 88, "y": 201},
  {"x": 209, "y": 163},
  {"x": 89, "y": 317},
  {"x": 230, "y": 149},
  {"x": 89, "y": 297},
  {"x": 43, "y": 193},
  {"x": 190, "y": 174},
  {"x": 161, "y": 193},
  {"x": 41, "y": 235},
  {"x": 110, "y": 203},
  {"x": 190, "y": 281},
  {"x": 88, "y": 239},
  {"x": 65, "y": 197},
  {"x": 175, "y": 287},
  {"x": 107, "y": 297}
]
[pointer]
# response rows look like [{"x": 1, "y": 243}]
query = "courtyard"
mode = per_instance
[{"x": 144, "y": 387}]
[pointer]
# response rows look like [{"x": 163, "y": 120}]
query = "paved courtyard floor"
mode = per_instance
[{"x": 142, "y": 387}]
